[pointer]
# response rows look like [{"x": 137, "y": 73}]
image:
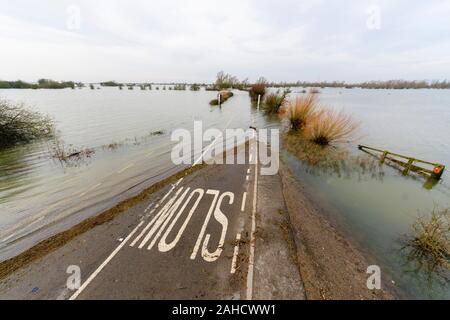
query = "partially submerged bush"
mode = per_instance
[
  {"x": 214, "y": 102},
  {"x": 224, "y": 96},
  {"x": 157, "y": 133},
  {"x": 301, "y": 110},
  {"x": 327, "y": 127},
  {"x": 274, "y": 101},
  {"x": 432, "y": 236},
  {"x": 258, "y": 89},
  {"x": 19, "y": 124},
  {"x": 429, "y": 243},
  {"x": 180, "y": 86}
]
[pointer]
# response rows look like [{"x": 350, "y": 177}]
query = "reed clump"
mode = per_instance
[
  {"x": 275, "y": 101},
  {"x": 18, "y": 124},
  {"x": 327, "y": 127},
  {"x": 301, "y": 109}
]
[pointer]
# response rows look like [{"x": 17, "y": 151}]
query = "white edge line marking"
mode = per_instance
[
  {"x": 244, "y": 199},
  {"x": 235, "y": 254},
  {"x": 100, "y": 268},
  {"x": 251, "y": 259}
]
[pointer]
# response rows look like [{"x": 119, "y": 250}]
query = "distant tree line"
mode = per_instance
[
  {"x": 227, "y": 81},
  {"x": 390, "y": 84},
  {"x": 41, "y": 84}
]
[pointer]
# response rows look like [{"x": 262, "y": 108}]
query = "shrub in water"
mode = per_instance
[
  {"x": 327, "y": 127},
  {"x": 274, "y": 101},
  {"x": 19, "y": 124}
]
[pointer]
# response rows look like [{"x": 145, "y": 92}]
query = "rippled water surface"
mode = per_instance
[{"x": 38, "y": 194}]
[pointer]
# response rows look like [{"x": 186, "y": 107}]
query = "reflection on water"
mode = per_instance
[
  {"x": 417, "y": 174},
  {"x": 335, "y": 161},
  {"x": 130, "y": 134},
  {"x": 426, "y": 250},
  {"x": 15, "y": 168}
]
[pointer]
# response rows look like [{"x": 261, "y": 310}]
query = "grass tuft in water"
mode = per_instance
[
  {"x": 301, "y": 110},
  {"x": 275, "y": 101},
  {"x": 327, "y": 127}
]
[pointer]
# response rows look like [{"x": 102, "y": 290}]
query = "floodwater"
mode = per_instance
[
  {"x": 39, "y": 195},
  {"x": 378, "y": 207},
  {"x": 130, "y": 132}
]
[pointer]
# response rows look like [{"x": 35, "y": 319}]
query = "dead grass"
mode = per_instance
[
  {"x": 301, "y": 110},
  {"x": 258, "y": 89},
  {"x": 224, "y": 96},
  {"x": 328, "y": 127},
  {"x": 68, "y": 154},
  {"x": 429, "y": 243}
]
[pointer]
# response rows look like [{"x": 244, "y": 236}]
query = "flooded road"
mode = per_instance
[{"x": 130, "y": 133}]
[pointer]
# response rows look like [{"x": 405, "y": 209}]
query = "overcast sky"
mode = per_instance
[{"x": 190, "y": 40}]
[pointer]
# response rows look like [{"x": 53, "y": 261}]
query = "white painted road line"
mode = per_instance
[
  {"x": 215, "y": 193},
  {"x": 91, "y": 188},
  {"x": 164, "y": 198},
  {"x": 100, "y": 268},
  {"x": 235, "y": 254},
  {"x": 251, "y": 259},
  {"x": 152, "y": 221},
  {"x": 212, "y": 143},
  {"x": 125, "y": 168},
  {"x": 148, "y": 207},
  {"x": 244, "y": 199}
]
